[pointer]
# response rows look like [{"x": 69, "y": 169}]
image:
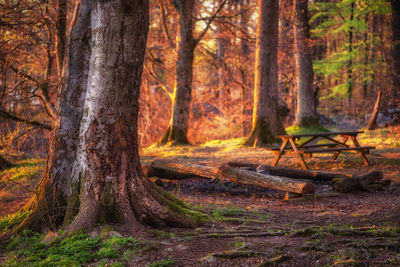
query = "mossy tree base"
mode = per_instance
[
  {"x": 175, "y": 137},
  {"x": 261, "y": 136}
]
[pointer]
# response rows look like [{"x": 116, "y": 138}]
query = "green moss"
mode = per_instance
[
  {"x": 27, "y": 249},
  {"x": 73, "y": 201},
  {"x": 109, "y": 212},
  {"x": 313, "y": 128},
  {"x": 163, "y": 263},
  {"x": 10, "y": 221},
  {"x": 187, "y": 215}
]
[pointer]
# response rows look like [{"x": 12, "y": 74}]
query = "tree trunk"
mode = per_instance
[
  {"x": 49, "y": 204},
  {"x": 350, "y": 63},
  {"x": 114, "y": 189},
  {"x": 396, "y": 50},
  {"x": 266, "y": 121},
  {"x": 306, "y": 111},
  {"x": 176, "y": 133},
  {"x": 61, "y": 27},
  {"x": 374, "y": 115},
  {"x": 107, "y": 183},
  {"x": 244, "y": 62}
]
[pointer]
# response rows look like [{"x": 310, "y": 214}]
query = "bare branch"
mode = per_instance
[
  {"x": 196, "y": 41},
  {"x": 6, "y": 115}
]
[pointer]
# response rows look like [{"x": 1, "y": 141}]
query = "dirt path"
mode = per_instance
[{"x": 252, "y": 229}]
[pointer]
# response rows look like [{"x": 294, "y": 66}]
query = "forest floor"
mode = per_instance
[{"x": 253, "y": 227}]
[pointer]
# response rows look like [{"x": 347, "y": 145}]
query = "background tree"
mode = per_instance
[
  {"x": 306, "y": 109},
  {"x": 176, "y": 132},
  {"x": 396, "y": 49},
  {"x": 266, "y": 121}
]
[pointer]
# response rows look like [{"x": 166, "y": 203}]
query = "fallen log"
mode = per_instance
[
  {"x": 305, "y": 174},
  {"x": 177, "y": 170},
  {"x": 369, "y": 182},
  {"x": 265, "y": 180}
]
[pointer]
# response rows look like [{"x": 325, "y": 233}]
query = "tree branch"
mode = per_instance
[
  {"x": 196, "y": 41},
  {"x": 6, "y": 115}
]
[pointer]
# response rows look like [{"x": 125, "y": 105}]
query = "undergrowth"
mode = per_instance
[{"x": 28, "y": 249}]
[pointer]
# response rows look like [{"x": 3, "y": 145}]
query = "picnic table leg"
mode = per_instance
[
  {"x": 336, "y": 154},
  {"x": 299, "y": 155},
  {"x": 362, "y": 154},
  {"x": 279, "y": 155}
]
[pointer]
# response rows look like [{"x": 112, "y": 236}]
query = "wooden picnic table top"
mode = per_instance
[{"x": 352, "y": 133}]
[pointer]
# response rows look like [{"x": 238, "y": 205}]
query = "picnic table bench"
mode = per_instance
[{"x": 290, "y": 143}]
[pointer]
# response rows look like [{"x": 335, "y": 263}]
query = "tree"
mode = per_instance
[
  {"x": 107, "y": 183},
  {"x": 396, "y": 48},
  {"x": 306, "y": 110},
  {"x": 176, "y": 133},
  {"x": 266, "y": 121}
]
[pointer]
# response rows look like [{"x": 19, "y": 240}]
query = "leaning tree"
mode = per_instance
[
  {"x": 266, "y": 121},
  {"x": 93, "y": 171}
]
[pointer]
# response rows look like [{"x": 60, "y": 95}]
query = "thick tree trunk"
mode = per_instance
[
  {"x": 266, "y": 121},
  {"x": 113, "y": 186},
  {"x": 99, "y": 142},
  {"x": 306, "y": 110},
  {"x": 176, "y": 133},
  {"x": 396, "y": 50},
  {"x": 171, "y": 169},
  {"x": 49, "y": 204}
]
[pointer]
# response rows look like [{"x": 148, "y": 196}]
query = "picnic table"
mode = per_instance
[{"x": 335, "y": 142}]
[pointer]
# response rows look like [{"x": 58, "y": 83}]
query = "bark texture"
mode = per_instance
[
  {"x": 266, "y": 121},
  {"x": 49, "y": 204},
  {"x": 306, "y": 110},
  {"x": 176, "y": 133},
  {"x": 113, "y": 186},
  {"x": 396, "y": 49}
]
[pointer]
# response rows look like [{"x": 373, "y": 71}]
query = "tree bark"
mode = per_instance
[
  {"x": 176, "y": 133},
  {"x": 374, "y": 115},
  {"x": 114, "y": 189},
  {"x": 61, "y": 27},
  {"x": 306, "y": 110},
  {"x": 48, "y": 205},
  {"x": 396, "y": 50},
  {"x": 266, "y": 121},
  {"x": 350, "y": 63}
]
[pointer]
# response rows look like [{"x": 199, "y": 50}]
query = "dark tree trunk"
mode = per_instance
[
  {"x": 176, "y": 132},
  {"x": 61, "y": 25},
  {"x": 306, "y": 110},
  {"x": 350, "y": 63},
  {"x": 396, "y": 50},
  {"x": 266, "y": 121}
]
